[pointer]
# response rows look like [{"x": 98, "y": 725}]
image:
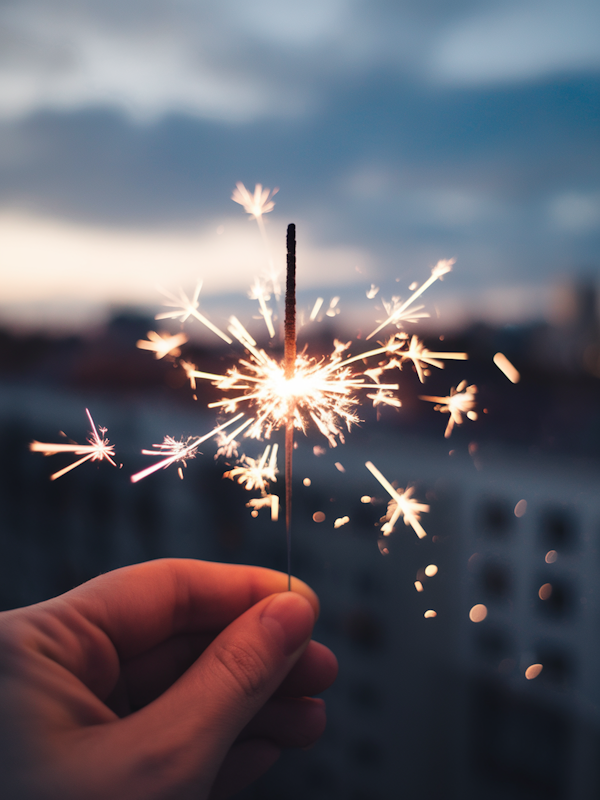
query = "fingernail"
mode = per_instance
[{"x": 289, "y": 618}]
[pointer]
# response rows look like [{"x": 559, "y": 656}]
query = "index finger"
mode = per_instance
[{"x": 140, "y": 606}]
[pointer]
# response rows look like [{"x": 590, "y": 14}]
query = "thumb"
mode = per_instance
[{"x": 208, "y": 707}]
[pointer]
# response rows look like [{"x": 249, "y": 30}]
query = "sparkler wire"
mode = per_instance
[{"x": 289, "y": 357}]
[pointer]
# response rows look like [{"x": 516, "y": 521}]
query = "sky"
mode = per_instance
[{"x": 398, "y": 133}]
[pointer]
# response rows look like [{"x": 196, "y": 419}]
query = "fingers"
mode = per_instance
[
  {"x": 212, "y": 703},
  {"x": 147, "y": 676},
  {"x": 315, "y": 671},
  {"x": 140, "y": 606}
]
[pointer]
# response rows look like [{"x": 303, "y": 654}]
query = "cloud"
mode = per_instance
[
  {"x": 238, "y": 62},
  {"x": 46, "y": 259},
  {"x": 575, "y": 212},
  {"x": 519, "y": 41}
]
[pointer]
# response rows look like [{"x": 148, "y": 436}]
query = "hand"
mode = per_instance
[{"x": 169, "y": 679}]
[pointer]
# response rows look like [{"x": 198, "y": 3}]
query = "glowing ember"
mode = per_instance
[
  {"x": 97, "y": 449},
  {"x": 551, "y": 557},
  {"x": 257, "y": 204},
  {"x": 521, "y": 508},
  {"x": 504, "y": 365},
  {"x": 418, "y": 586},
  {"x": 402, "y": 504},
  {"x": 478, "y": 613},
  {"x": 400, "y": 312},
  {"x": 256, "y": 474},
  {"x": 341, "y": 521},
  {"x": 162, "y": 344},
  {"x": 545, "y": 591},
  {"x": 184, "y": 308},
  {"x": 430, "y": 614},
  {"x": 318, "y": 516},
  {"x": 533, "y": 671},
  {"x": 431, "y": 570},
  {"x": 178, "y": 451},
  {"x": 306, "y": 481},
  {"x": 460, "y": 401}
]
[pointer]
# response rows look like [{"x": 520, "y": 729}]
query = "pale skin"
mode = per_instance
[{"x": 168, "y": 680}]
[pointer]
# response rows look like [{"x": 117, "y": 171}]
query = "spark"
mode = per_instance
[
  {"x": 402, "y": 504},
  {"x": 400, "y": 311},
  {"x": 341, "y": 521},
  {"x": 268, "y": 501},
  {"x": 257, "y": 204},
  {"x": 178, "y": 451},
  {"x": 185, "y": 307},
  {"x": 460, "y": 401},
  {"x": 316, "y": 308},
  {"x": 533, "y": 671},
  {"x": 430, "y": 614},
  {"x": 97, "y": 449},
  {"x": 259, "y": 292},
  {"x": 163, "y": 344},
  {"x": 256, "y": 473},
  {"x": 322, "y": 391},
  {"x": 419, "y": 355},
  {"x": 478, "y": 613},
  {"x": 504, "y": 365}
]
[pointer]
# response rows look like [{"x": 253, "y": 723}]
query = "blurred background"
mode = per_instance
[{"x": 398, "y": 133}]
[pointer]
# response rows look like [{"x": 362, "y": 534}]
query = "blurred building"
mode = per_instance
[{"x": 437, "y": 707}]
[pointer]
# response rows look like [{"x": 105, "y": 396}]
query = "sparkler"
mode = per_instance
[
  {"x": 264, "y": 394},
  {"x": 289, "y": 358},
  {"x": 97, "y": 449}
]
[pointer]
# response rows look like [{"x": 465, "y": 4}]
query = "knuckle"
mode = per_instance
[{"x": 244, "y": 666}]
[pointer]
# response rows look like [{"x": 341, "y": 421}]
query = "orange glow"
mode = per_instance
[
  {"x": 365, "y": 499},
  {"x": 341, "y": 521},
  {"x": 418, "y": 586},
  {"x": 318, "y": 516},
  {"x": 533, "y": 671},
  {"x": 545, "y": 591},
  {"x": 551, "y": 557},
  {"x": 521, "y": 508},
  {"x": 431, "y": 570},
  {"x": 478, "y": 613},
  {"x": 504, "y": 365},
  {"x": 339, "y": 467},
  {"x": 430, "y": 614},
  {"x": 307, "y": 481}
]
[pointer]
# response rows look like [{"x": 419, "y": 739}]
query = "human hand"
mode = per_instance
[{"x": 170, "y": 679}]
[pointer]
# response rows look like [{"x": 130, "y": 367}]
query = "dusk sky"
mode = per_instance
[{"x": 398, "y": 133}]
